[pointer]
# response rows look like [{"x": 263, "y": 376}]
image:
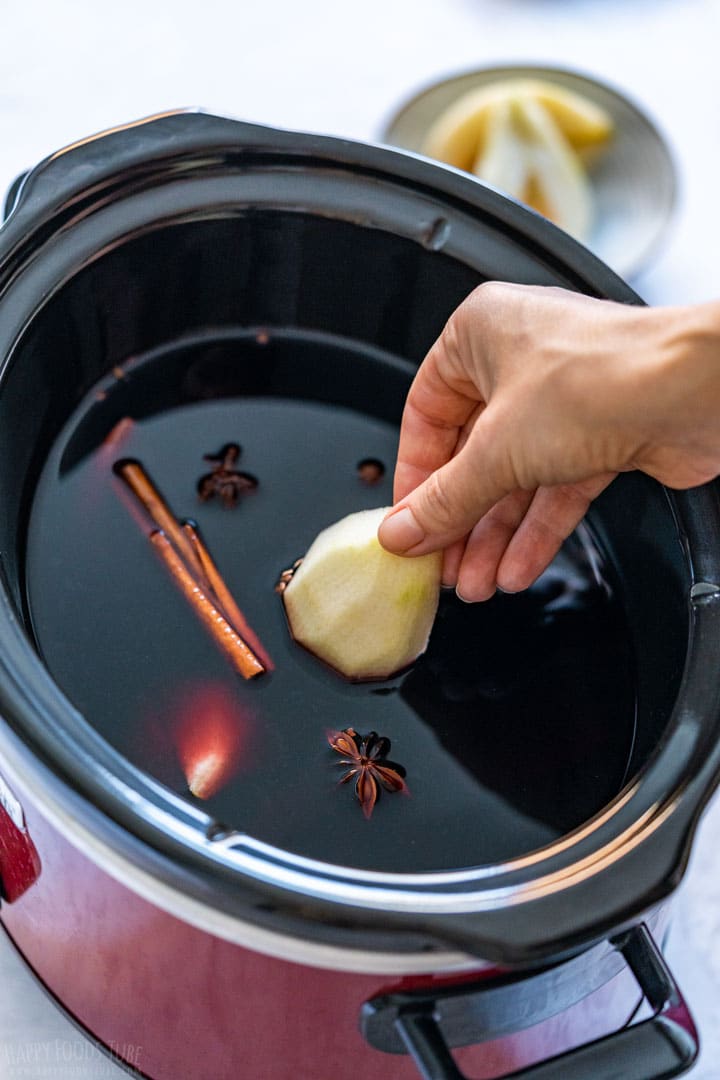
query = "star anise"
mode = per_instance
[
  {"x": 367, "y": 757},
  {"x": 224, "y": 480},
  {"x": 286, "y": 577}
]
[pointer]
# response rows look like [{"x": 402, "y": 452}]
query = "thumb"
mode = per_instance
[{"x": 447, "y": 505}]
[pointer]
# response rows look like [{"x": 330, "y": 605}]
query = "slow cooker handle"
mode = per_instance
[{"x": 664, "y": 1045}]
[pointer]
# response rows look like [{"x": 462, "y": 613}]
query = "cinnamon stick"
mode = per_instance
[
  {"x": 157, "y": 509},
  {"x": 223, "y": 595},
  {"x": 191, "y": 565},
  {"x": 237, "y": 651}
]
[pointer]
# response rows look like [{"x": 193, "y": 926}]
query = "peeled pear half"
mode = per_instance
[
  {"x": 528, "y": 138},
  {"x": 526, "y": 155},
  {"x": 459, "y": 133},
  {"x": 365, "y": 612}
]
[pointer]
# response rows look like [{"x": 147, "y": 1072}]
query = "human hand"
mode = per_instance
[{"x": 524, "y": 410}]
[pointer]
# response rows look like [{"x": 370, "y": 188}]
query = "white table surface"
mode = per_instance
[{"x": 69, "y": 69}]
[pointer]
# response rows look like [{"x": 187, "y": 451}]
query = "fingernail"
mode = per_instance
[
  {"x": 507, "y": 592},
  {"x": 400, "y": 531},
  {"x": 474, "y": 599}
]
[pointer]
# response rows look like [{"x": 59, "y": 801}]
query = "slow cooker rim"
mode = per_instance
[
  {"x": 523, "y": 221},
  {"x": 56, "y": 192}
]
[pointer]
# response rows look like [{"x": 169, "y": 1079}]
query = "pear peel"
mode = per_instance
[{"x": 363, "y": 611}]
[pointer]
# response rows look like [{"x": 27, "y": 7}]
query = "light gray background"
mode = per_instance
[{"x": 72, "y": 68}]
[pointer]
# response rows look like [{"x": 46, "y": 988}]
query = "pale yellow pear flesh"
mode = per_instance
[
  {"x": 503, "y": 160},
  {"x": 459, "y": 132},
  {"x": 527, "y": 156},
  {"x": 526, "y": 137},
  {"x": 365, "y": 612}
]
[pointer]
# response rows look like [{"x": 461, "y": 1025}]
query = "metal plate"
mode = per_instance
[{"x": 634, "y": 181}]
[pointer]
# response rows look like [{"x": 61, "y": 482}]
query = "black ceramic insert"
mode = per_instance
[{"x": 343, "y": 262}]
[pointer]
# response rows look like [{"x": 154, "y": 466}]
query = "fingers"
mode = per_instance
[
  {"x": 449, "y": 503},
  {"x": 441, "y": 407},
  {"x": 452, "y": 557},
  {"x": 486, "y": 545},
  {"x": 497, "y": 411},
  {"x": 516, "y": 540},
  {"x": 551, "y": 517}
]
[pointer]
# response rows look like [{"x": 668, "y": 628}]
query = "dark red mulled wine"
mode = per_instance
[{"x": 514, "y": 728}]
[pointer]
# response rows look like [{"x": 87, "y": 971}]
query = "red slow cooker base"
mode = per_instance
[{"x": 185, "y": 1005}]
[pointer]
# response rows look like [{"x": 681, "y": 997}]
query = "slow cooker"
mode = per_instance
[{"x": 273, "y": 292}]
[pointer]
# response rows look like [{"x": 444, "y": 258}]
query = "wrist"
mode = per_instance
[
  {"x": 677, "y": 398},
  {"x": 689, "y": 362}
]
